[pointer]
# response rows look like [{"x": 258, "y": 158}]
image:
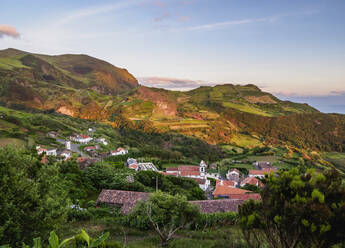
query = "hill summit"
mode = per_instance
[{"x": 89, "y": 88}]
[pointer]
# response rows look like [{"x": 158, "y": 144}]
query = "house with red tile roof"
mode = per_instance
[
  {"x": 260, "y": 173},
  {"x": 90, "y": 148},
  {"x": 222, "y": 191},
  {"x": 191, "y": 171},
  {"x": 119, "y": 151},
  {"x": 251, "y": 181},
  {"x": 82, "y": 138},
  {"x": 227, "y": 183}
]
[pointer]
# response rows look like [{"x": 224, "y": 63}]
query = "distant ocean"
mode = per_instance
[{"x": 326, "y": 104}]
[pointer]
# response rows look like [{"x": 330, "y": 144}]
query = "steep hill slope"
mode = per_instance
[
  {"x": 44, "y": 82},
  {"x": 88, "y": 88}
]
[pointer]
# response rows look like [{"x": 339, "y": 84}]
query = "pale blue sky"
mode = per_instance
[{"x": 291, "y": 47}]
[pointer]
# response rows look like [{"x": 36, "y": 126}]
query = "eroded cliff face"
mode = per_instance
[{"x": 65, "y": 110}]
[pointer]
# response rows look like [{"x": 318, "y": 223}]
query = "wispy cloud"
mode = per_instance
[
  {"x": 10, "y": 31},
  {"x": 232, "y": 23},
  {"x": 95, "y": 10}
]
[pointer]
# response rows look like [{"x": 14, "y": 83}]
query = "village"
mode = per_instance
[{"x": 227, "y": 190}]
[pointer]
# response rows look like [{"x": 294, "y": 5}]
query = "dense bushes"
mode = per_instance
[
  {"x": 298, "y": 209},
  {"x": 105, "y": 176},
  {"x": 33, "y": 199}
]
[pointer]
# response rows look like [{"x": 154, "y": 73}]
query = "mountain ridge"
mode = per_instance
[{"x": 88, "y": 88}]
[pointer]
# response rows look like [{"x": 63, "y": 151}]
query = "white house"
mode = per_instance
[
  {"x": 147, "y": 166},
  {"x": 66, "y": 154},
  {"x": 203, "y": 183},
  {"x": 102, "y": 141},
  {"x": 233, "y": 174},
  {"x": 251, "y": 181},
  {"x": 197, "y": 173},
  {"x": 132, "y": 164},
  {"x": 51, "y": 152},
  {"x": 68, "y": 145},
  {"x": 84, "y": 139},
  {"x": 119, "y": 151},
  {"x": 260, "y": 173}
]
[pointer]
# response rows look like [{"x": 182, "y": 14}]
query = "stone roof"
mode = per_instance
[
  {"x": 128, "y": 199},
  {"x": 125, "y": 199},
  {"x": 213, "y": 206}
]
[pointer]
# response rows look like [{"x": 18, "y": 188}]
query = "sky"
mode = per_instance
[{"x": 294, "y": 49}]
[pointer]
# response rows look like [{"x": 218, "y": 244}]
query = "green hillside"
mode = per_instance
[{"x": 88, "y": 88}]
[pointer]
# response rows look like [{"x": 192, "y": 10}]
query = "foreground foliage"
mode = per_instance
[
  {"x": 32, "y": 197},
  {"x": 297, "y": 210},
  {"x": 167, "y": 214}
]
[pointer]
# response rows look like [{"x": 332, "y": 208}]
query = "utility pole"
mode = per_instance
[{"x": 156, "y": 184}]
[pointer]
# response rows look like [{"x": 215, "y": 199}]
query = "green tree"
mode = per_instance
[
  {"x": 32, "y": 197},
  {"x": 167, "y": 214},
  {"x": 297, "y": 210}
]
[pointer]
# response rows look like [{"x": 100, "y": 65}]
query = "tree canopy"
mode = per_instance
[
  {"x": 32, "y": 197},
  {"x": 298, "y": 209}
]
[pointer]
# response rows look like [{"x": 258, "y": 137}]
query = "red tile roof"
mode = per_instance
[
  {"x": 252, "y": 181},
  {"x": 224, "y": 190},
  {"x": 227, "y": 183},
  {"x": 81, "y": 159},
  {"x": 189, "y": 173},
  {"x": 261, "y": 172},
  {"x": 171, "y": 169},
  {"x": 169, "y": 174},
  {"x": 44, "y": 159},
  {"x": 236, "y": 170},
  {"x": 84, "y": 136},
  {"x": 188, "y": 168},
  {"x": 90, "y": 148},
  {"x": 133, "y": 166}
]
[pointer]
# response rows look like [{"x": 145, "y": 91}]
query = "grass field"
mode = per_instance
[
  {"x": 133, "y": 238},
  {"x": 246, "y": 166},
  {"x": 245, "y": 141},
  {"x": 337, "y": 159},
  {"x": 10, "y": 63},
  {"x": 246, "y": 108},
  {"x": 12, "y": 141},
  {"x": 270, "y": 159}
]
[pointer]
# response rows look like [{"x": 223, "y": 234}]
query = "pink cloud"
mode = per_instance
[
  {"x": 8, "y": 31},
  {"x": 162, "y": 17},
  {"x": 184, "y": 18},
  {"x": 159, "y": 3}
]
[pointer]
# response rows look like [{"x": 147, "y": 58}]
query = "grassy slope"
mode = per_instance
[{"x": 88, "y": 88}]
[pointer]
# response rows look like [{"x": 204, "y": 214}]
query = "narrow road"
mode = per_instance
[{"x": 74, "y": 147}]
